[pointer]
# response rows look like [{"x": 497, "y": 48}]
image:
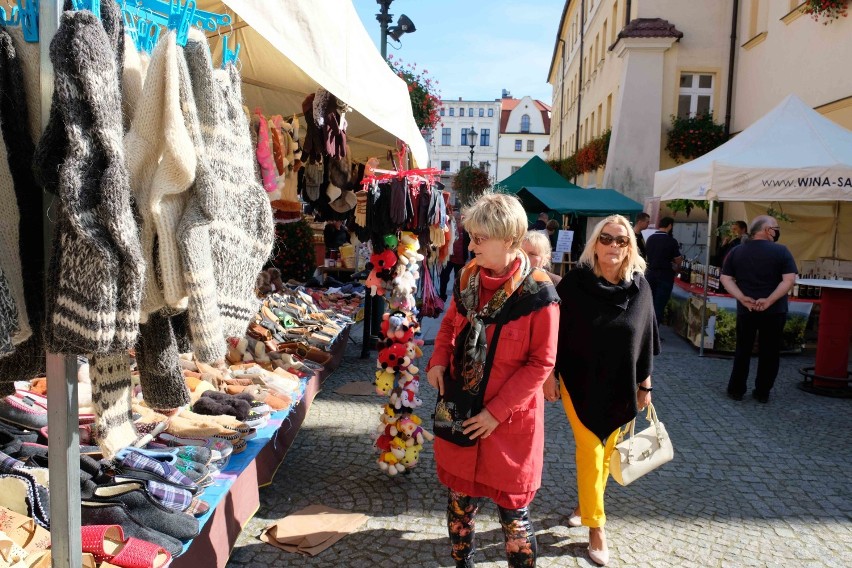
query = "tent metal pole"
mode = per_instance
[
  {"x": 63, "y": 412},
  {"x": 706, "y": 277}
]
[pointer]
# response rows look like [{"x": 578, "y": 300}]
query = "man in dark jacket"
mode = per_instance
[
  {"x": 642, "y": 221},
  {"x": 664, "y": 258},
  {"x": 759, "y": 273}
]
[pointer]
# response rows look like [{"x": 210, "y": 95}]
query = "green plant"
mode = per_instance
[
  {"x": 779, "y": 215},
  {"x": 725, "y": 338},
  {"x": 469, "y": 184},
  {"x": 587, "y": 159},
  {"x": 423, "y": 91},
  {"x": 794, "y": 333},
  {"x": 829, "y": 10},
  {"x": 694, "y": 136},
  {"x": 686, "y": 205},
  {"x": 724, "y": 230}
]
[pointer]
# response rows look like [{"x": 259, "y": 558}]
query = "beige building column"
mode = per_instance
[{"x": 634, "y": 150}]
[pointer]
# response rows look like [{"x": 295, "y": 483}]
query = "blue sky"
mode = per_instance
[{"x": 475, "y": 48}]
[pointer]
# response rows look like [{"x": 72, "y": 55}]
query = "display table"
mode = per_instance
[
  {"x": 235, "y": 497},
  {"x": 684, "y": 313},
  {"x": 830, "y": 375}
]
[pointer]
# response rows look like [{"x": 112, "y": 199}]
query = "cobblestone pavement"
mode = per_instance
[{"x": 751, "y": 484}]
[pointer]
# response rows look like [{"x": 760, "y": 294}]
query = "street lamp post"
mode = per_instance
[
  {"x": 384, "y": 19},
  {"x": 472, "y": 135}
]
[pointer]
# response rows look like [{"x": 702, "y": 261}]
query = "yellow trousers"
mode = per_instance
[{"x": 592, "y": 458}]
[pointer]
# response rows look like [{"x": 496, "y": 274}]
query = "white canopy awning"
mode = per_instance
[
  {"x": 793, "y": 153},
  {"x": 290, "y": 48}
]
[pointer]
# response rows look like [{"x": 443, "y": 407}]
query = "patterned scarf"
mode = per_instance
[{"x": 471, "y": 347}]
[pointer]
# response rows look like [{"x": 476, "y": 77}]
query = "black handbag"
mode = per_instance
[{"x": 455, "y": 406}]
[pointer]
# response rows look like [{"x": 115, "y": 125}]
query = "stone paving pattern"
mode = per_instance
[{"x": 751, "y": 484}]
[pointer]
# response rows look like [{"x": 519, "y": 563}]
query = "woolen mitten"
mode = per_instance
[
  {"x": 97, "y": 265},
  {"x": 226, "y": 233},
  {"x": 111, "y": 397},
  {"x": 14, "y": 167},
  {"x": 160, "y": 372},
  {"x": 161, "y": 163}
]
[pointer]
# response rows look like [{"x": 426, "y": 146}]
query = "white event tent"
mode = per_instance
[{"x": 290, "y": 48}]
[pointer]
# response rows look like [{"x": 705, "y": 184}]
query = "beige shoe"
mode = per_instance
[
  {"x": 598, "y": 550},
  {"x": 575, "y": 520}
]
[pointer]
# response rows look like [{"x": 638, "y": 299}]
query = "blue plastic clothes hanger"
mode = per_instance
[
  {"x": 25, "y": 14},
  {"x": 93, "y": 6}
]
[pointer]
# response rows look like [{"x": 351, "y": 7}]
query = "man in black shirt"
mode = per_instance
[
  {"x": 664, "y": 258},
  {"x": 642, "y": 221},
  {"x": 759, "y": 273}
]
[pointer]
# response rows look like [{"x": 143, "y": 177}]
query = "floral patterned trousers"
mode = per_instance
[{"x": 518, "y": 531}]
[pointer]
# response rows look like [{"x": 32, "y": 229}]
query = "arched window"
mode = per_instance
[{"x": 525, "y": 123}]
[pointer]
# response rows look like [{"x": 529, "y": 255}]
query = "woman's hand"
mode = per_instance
[
  {"x": 480, "y": 425},
  {"x": 435, "y": 376},
  {"x": 551, "y": 388},
  {"x": 643, "y": 397}
]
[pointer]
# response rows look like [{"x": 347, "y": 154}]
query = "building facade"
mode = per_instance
[
  {"x": 449, "y": 144},
  {"x": 524, "y": 133},
  {"x": 510, "y": 132},
  {"x": 632, "y": 72}
]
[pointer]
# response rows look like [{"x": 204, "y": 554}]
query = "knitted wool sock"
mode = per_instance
[
  {"x": 159, "y": 370},
  {"x": 111, "y": 398},
  {"x": 94, "y": 304},
  {"x": 226, "y": 234},
  {"x": 161, "y": 162}
]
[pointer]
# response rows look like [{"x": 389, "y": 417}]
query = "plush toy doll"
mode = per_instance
[
  {"x": 408, "y": 247},
  {"x": 389, "y": 463},
  {"x": 397, "y": 328},
  {"x": 412, "y": 456},
  {"x": 384, "y": 381},
  {"x": 380, "y": 267},
  {"x": 394, "y": 357}
]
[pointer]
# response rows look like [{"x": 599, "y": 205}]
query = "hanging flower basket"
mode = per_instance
[
  {"x": 827, "y": 10},
  {"x": 694, "y": 136},
  {"x": 423, "y": 92}
]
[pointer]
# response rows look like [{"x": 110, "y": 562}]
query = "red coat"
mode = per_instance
[{"x": 510, "y": 459}]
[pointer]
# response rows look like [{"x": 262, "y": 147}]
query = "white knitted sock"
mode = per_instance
[{"x": 111, "y": 398}]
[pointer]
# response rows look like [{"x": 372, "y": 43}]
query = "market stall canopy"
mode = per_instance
[
  {"x": 577, "y": 201},
  {"x": 290, "y": 48},
  {"x": 793, "y": 153},
  {"x": 535, "y": 173}
]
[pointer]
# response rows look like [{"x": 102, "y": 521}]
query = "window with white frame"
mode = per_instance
[
  {"x": 442, "y": 111},
  {"x": 530, "y": 145},
  {"x": 481, "y": 112},
  {"x": 464, "y": 164},
  {"x": 519, "y": 144},
  {"x": 470, "y": 112},
  {"x": 484, "y": 136},
  {"x": 452, "y": 112},
  {"x": 464, "y": 136},
  {"x": 461, "y": 111},
  {"x": 490, "y": 112},
  {"x": 445, "y": 165},
  {"x": 696, "y": 94},
  {"x": 446, "y": 134}
]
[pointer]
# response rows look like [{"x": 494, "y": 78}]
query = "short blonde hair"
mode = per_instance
[
  {"x": 541, "y": 244},
  {"x": 633, "y": 262},
  {"x": 497, "y": 216}
]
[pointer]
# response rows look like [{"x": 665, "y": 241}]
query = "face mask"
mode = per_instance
[{"x": 776, "y": 234}]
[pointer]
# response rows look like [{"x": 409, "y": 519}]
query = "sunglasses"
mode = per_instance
[
  {"x": 607, "y": 239},
  {"x": 478, "y": 239}
]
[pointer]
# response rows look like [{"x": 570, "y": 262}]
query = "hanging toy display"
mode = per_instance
[{"x": 394, "y": 272}]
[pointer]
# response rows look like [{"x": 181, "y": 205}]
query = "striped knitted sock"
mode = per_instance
[{"x": 110, "y": 375}]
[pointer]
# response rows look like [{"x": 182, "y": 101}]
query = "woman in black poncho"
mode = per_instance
[{"x": 607, "y": 338}]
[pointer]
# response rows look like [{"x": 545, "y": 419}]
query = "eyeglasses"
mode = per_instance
[
  {"x": 774, "y": 228},
  {"x": 478, "y": 239},
  {"x": 607, "y": 239}
]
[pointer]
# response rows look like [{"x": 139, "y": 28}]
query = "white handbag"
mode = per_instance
[{"x": 640, "y": 453}]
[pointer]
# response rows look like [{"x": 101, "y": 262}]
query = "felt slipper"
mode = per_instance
[
  {"x": 107, "y": 544},
  {"x": 223, "y": 448},
  {"x": 197, "y": 508},
  {"x": 196, "y": 454},
  {"x": 222, "y": 404},
  {"x": 135, "y": 465},
  {"x": 223, "y": 420}
]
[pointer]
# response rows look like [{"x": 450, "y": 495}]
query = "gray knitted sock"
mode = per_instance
[
  {"x": 97, "y": 263},
  {"x": 110, "y": 375},
  {"x": 226, "y": 233},
  {"x": 159, "y": 370}
]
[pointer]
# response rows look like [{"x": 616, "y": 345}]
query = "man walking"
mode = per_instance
[
  {"x": 642, "y": 221},
  {"x": 663, "y": 255},
  {"x": 759, "y": 273}
]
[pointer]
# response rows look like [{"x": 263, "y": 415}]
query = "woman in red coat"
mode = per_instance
[{"x": 495, "y": 348}]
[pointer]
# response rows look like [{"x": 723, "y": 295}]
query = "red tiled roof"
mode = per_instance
[
  {"x": 648, "y": 27},
  {"x": 508, "y": 105}
]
